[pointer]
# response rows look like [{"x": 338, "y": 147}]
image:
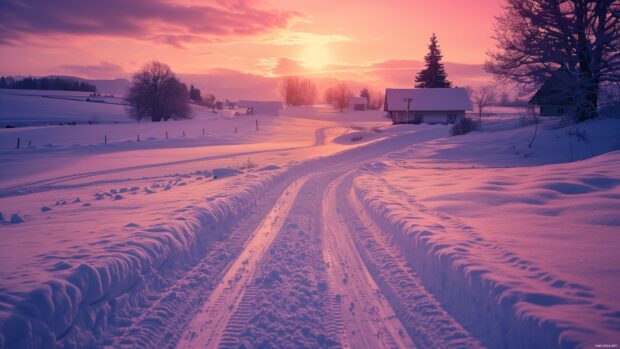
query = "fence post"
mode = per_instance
[
  {"x": 166, "y": 134},
  {"x": 29, "y": 144},
  {"x": 235, "y": 129},
  {"x": 183, "y": 133},
  {"x": 18, "y": 142},
  {"x": 203, "y": 131},
  {"x": 256, "y": 125},
  {"x": 105, "y": 139},
  {"x": 138, "y": 138}
]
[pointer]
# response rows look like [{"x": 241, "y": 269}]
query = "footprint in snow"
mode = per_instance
[
  {"x": 132, "y": 225},
  {"x": 77, "y": 200},
  {"x": 118, "y": 197},
  {"x": 45, "y": 209},
  {"x": 148, "y": 191}
]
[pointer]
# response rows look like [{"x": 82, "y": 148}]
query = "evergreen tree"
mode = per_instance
[
  {"x": 364, "y": 93},
  {"x": 194, "y": 94},
  {"x": 434, "y": 75}
]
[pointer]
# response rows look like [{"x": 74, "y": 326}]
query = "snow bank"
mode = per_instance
[
  {"x": 522, "y": 257},
  {"x": 80, "y": 307}
]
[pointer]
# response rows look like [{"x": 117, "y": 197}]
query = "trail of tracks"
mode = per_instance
[
  {"x": 312, "y": 274},
  {"x": 207, "y": 327}
]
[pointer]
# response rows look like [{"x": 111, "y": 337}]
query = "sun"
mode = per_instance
[{"x": 315, "y": 56}]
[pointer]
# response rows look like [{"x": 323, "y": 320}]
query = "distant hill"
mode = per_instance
[{"x": 117, "y": 87}]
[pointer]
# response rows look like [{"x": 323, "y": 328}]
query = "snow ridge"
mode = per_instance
[
  {"x": 100, "y": 299},
  {"x": 485, "y": 301}
]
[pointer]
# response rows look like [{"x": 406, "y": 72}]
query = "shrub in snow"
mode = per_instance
[
  {"x": 464, "y": 126},
  {"x": 16, "y": 219}
]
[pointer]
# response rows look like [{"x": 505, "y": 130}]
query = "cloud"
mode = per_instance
[
  {"x": 290, "y": 38},
  {"x": 155, "y": 20},
  {"x": 103, "y": 70},
  {"x": 279, "y": 66}
]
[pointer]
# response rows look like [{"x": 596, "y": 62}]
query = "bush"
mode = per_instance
[{"x": 464, "y": 126}]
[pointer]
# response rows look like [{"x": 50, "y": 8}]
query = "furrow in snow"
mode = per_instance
[{"x": 423, "y": 316}]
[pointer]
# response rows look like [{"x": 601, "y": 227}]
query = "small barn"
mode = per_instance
[
  {"x": 553, "y": 97},
  {"x": 426, "y": 105},
  {"x": 358, "y": 103},
  {"x": 261, "y": 107}
]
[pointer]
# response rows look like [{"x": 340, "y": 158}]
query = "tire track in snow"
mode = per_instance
[
  {"x": 207, "y": 327},
  {"x": 290, "y": 304},
  {"x": 369, "y": 320},
  {"x": 424, "y": 317}
]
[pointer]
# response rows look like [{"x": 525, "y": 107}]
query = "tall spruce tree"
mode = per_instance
[{"x": 434, "y": 75}]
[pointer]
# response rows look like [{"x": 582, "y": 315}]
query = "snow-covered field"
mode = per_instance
[{"x": 319, "y": 229}]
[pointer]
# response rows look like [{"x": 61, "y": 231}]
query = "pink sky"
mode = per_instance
[{"x": 375, "y": 43}]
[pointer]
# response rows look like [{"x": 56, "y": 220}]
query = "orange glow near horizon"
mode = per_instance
[{"x": 380, "y": 43}]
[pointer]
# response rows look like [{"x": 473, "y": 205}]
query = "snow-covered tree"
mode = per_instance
[
  {"x": 536, "y": 39},
  {"x": 434, "y": 74}
]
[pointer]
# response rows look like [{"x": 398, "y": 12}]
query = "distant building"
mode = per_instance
[
  {"x": 426, "y": 105},
  {"x": 358, "y": 103},
  {"x": 554, "y": 96},
  {"x": 261, "y": 107}
]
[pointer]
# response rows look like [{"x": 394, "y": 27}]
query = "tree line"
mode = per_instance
[{"x": 46, "y": 83}]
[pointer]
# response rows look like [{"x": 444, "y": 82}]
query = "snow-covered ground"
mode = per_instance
[
  {"x": 319, "y": 229},
  {"x": 496, "y": 228}
]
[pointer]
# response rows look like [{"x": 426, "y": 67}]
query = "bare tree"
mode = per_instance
[
  {"x": 156, "y": 93},
  {"x": 537, "y": 38},
  {"x": 338, "y": 96},
  {"x": 296, "y": 91},
  {"x": 376, "y": 100},
  {"x": 483, "y": 96}
]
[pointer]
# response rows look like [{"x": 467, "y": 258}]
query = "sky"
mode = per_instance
[{"x": 241, "y": 46}]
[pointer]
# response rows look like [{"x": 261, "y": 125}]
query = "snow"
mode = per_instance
[
  {"x": 320, "y": 229},
  {"x": 527, "y": 232}
]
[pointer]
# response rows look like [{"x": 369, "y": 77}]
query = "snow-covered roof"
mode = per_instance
[
  {"x": 357, "y": 100},
  {"x": 427, "y": 99},
  {"x": 260, "y": 104}
]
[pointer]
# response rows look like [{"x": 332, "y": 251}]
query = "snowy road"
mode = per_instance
[{"x": 301, "y": 280}]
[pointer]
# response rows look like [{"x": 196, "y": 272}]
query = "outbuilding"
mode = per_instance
[
  {"x": 426, "y": 105},
  {"x": 358, "y": 103},
  {"x": 554, "y": 96}
]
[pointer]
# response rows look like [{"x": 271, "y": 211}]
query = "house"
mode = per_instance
[
  {"x": 426, "y": 105},
  {"x": 358, "y": 103},
  {"x": 261, "y": 107},
  {"x": 553, "y": 97}
]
